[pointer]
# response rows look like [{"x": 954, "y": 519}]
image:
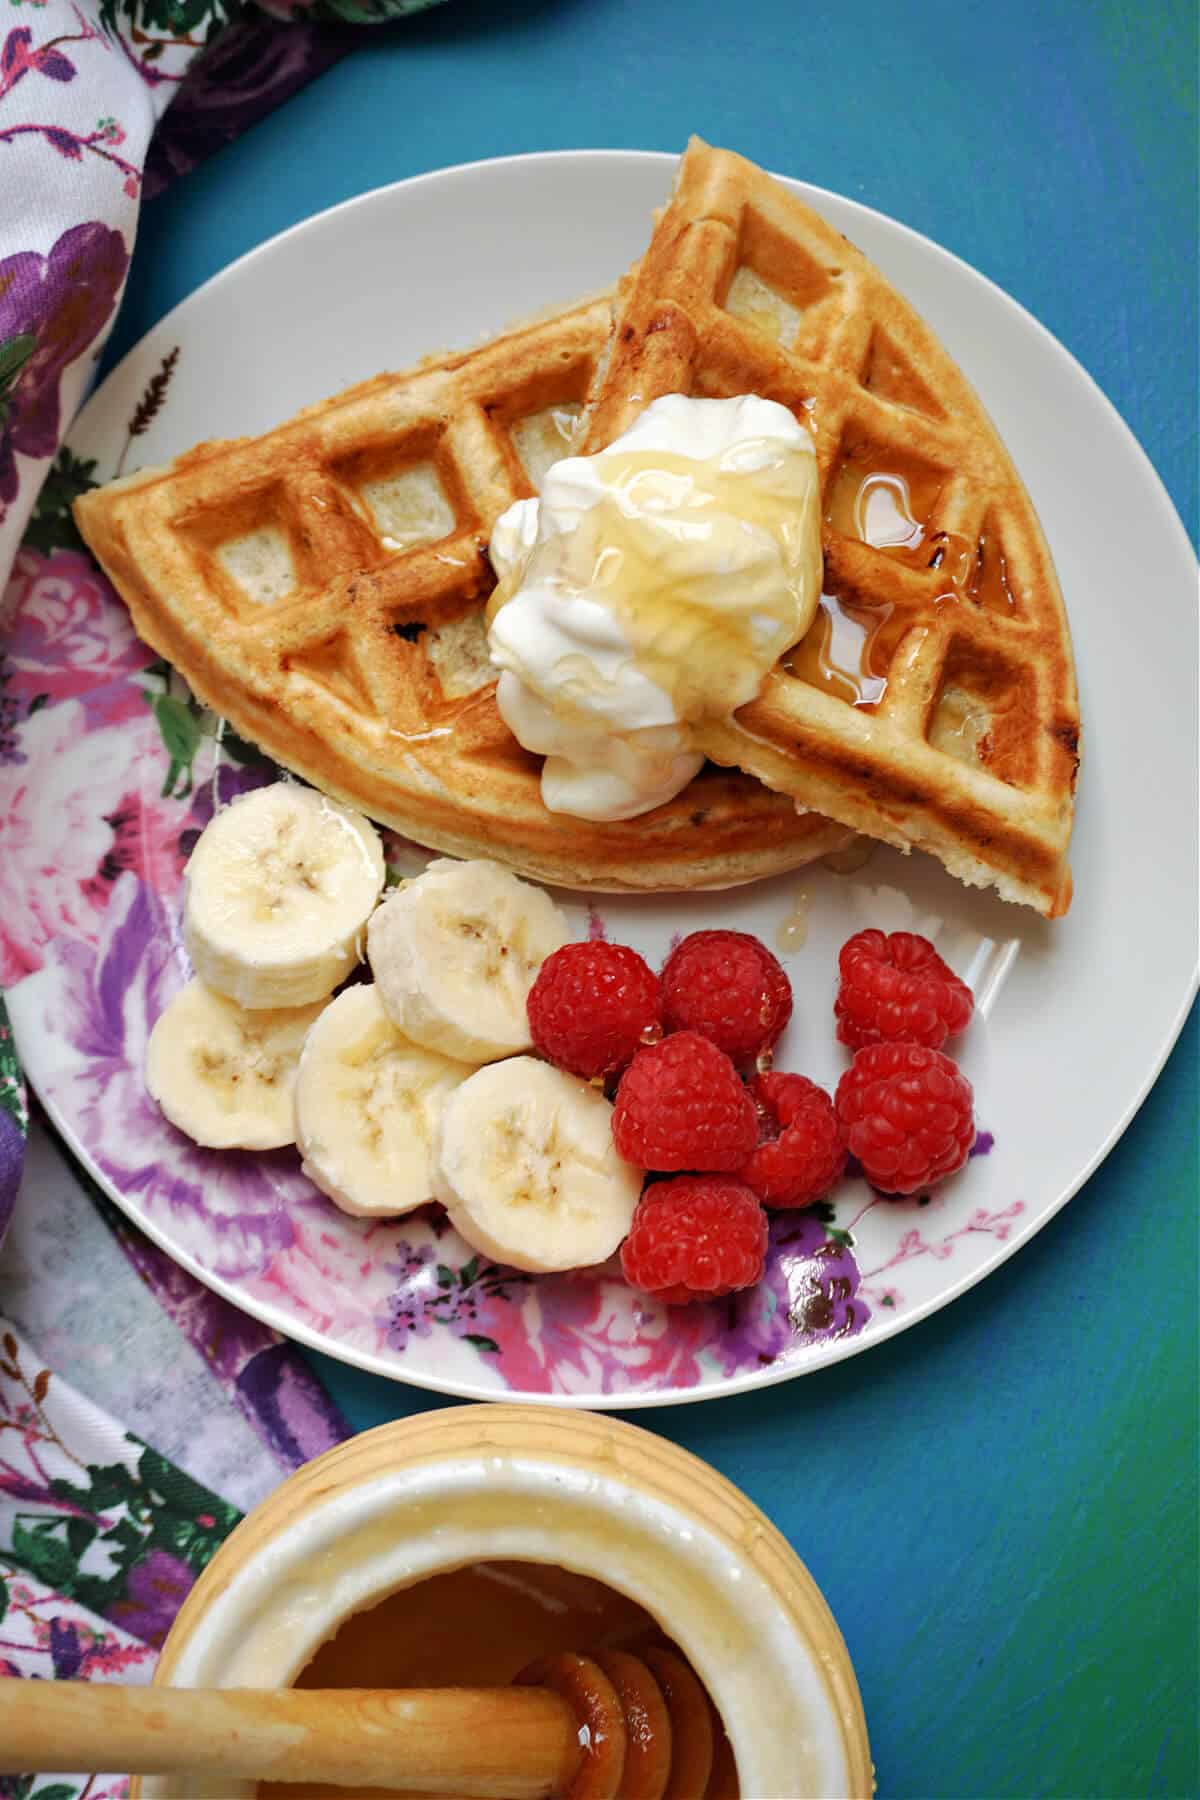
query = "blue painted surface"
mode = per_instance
[{"x": 1001, "y": 1504}]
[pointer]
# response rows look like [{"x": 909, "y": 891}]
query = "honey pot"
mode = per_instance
[{"x": 455, "y": 1547}]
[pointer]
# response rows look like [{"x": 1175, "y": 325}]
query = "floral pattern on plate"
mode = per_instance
[
  {"x": 257, "y": 1223},
  {"x": 407, "y": 1294}
]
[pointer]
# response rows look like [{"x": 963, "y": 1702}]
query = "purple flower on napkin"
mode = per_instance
[
  {"x": 20, "y": 56},
  {"x": 13, "y": 1119},
  {"x": 156, "y": 1589},
  {"x": 12, "y": 1149},
  {"x": 65, "y": 1649},
  {"x": 51, "y": 308}
]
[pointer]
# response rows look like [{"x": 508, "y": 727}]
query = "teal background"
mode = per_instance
[{"x": 1000, "y": 1505}]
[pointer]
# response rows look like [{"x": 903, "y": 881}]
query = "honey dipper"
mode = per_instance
[{"x": 610, "y": 1727}]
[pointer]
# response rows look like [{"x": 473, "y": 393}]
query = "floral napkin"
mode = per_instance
[
  {"x": 102, "y": 1532},
  {"x": 102, "y": 1536}
]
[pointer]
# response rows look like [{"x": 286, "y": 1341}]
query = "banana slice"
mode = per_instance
[
  {"x": 368, "y": 1106},
  {"x": 455, "y": 952},
  {"x": 527, "y": 1170},
  {"x": 278, "y": 891},
  {"x": 225, "y": 1075}
]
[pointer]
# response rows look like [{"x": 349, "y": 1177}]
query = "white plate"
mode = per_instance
[{"x": 1075, "y": 1018}]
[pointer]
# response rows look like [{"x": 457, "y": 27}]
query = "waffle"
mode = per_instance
[
  {"x": 322, "y": 588},
  {"x": 933, "y": 701}
]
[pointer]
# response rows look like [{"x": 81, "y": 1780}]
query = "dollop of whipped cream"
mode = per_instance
[{"x": 651, "y": 587}]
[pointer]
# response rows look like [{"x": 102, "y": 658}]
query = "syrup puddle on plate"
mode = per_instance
[{"x": 792, "y": 931}]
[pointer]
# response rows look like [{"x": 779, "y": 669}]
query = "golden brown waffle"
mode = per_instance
[
  {"x": 322, "y": 588},
  {"x": 933, "y": 702}
]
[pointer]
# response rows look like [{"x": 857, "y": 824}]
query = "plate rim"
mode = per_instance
[{"x": 834, "y": 1351}]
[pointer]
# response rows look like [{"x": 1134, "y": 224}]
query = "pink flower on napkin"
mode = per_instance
[
  {"x": 68, "y": 636},
  {"x": 100, "y": 789}
]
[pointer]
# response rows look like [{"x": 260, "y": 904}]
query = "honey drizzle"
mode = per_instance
[
  {"x": 848, "y": 649},
  {"x": 960, "y": 725},
  {"x": 544, "y": 438},
  {"x": 884, "y": 498},
  {"x": 699, "y": 654},
  {"x": 889, "y": 501},
  {"x": 791, "y": 933},
  {"x": 989, "y": 585},
  {"x": 953, "y": 555}
]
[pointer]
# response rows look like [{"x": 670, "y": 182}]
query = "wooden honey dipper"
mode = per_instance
[{"x": 612, "y": 1726}]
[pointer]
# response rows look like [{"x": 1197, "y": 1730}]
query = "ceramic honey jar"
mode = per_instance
[{"x": 457, "y": 1546}]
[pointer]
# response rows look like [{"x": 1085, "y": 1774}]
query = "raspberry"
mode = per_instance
[
  {"x": 804, "y": 1149},
  {"x": 906, "y": 1111},
  {"x": 592, "y": 1007},
  {"x": 896, "y": 990},
  {"x": 695, "y": 1238},
  {"x": 729, "y": 988},
  {"x": 681, "y": 1105}
]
